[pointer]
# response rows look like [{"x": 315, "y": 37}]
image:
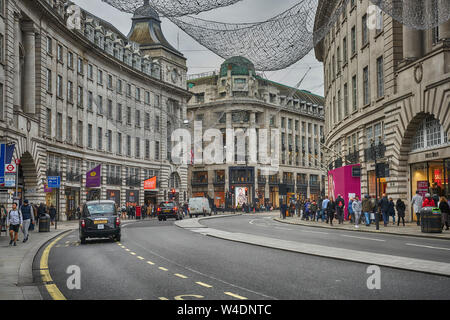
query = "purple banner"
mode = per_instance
[
  {"x": 93, "y": 177},
  {"x": 341, "y": 181}
]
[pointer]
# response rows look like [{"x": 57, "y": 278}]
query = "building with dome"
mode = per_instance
[
  {"x": 237, "y": 97},
  {"x": 386, "y": 101},
  {"x": 77, "y": 93}
]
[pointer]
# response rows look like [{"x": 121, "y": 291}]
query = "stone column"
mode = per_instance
[
  {"x": 17, "y": 80},
  {"x": 29, "y": 42}
]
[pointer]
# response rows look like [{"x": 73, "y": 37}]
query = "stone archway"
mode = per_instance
[{"x": 28, "y": 176}]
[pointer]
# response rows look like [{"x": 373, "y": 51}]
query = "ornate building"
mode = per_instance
[
  {"x": 237, "y": 98},
  {"x": 386, "y": 99},
  {"x": 76, "y": 93}
]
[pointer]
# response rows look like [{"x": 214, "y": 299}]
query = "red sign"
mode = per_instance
[
  {"x": 150, "y": 184},
  {"x": 17, "y": 161}
]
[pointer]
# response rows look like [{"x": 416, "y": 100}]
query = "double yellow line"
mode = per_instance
[{"x": 45, "y": 273}]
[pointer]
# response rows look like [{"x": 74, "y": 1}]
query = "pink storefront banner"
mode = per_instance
[{"x": 341, "y": 182}]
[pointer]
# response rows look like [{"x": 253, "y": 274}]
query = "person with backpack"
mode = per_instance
[
  {"x": 367, "y": 208},
  {"x": 27, "y": 217},
  {"x": 331, "y": 209},
  {"x": 350, "y": 211},
  {"x": 401, "y": 208},
  {"x": 340, "y": 206},
  {"x": 14, "y": 221}
]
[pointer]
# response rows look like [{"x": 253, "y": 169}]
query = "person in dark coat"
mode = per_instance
[
  {"x": 445, "y": 211},
  {"x": 283, "y": 209},
  {"x": 331, "y": 209},
  {"x": 391, "y": 210},
  {"x": 340, "y": 206},
  {"x": 384, "y": 207},
  {"x": 52, "y": 213},
  {"x": 401, "y": 208}
]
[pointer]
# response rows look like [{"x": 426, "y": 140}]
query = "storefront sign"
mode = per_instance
[
  {"x": 422, "y": 187},
  {"x": 150, "y": 184},
  {"x": 54, "y": 182},
  {"x": 431, "y": 155},
  {"x": 47, "y": 189}
]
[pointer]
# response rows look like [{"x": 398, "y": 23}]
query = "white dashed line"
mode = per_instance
[
  {"x": 343, "y": 235},
  {"x": 429, "y": 247}
]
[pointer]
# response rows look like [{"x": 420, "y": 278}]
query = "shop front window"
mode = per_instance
[
  {"x": 419, "y": 179},
  {"x": 430, "y": 134}
]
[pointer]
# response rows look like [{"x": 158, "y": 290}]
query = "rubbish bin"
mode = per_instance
[
  {"x": 44, "y": 223},
  {"x": 138, "y": 213},
  {"x": 431, "y": 220}
]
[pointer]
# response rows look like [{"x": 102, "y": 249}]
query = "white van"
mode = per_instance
[{"x": 199, "y": 206}]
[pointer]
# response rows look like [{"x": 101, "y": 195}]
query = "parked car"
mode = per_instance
[
  {"x": 199, "y": 206},
  {"x": 169, "y": 209},
  {"x": 99, "y": 219}
]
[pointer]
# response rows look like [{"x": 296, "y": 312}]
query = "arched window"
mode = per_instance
[
  {"x": 175, "y": 180},
  {"x": 430, "y": 134}
]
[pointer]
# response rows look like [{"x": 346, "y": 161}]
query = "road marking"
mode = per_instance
[
  {"x": 429, "y": 247},
  {"x": 133, "y": 253},
  {"x": 281, "y": 228},
  {"x": 149, "y": 262},
  {"x": 307, "y": 231},
  {"x": 57, "y": 246},
  {"x": 235, "y": 296},
  {"x": 203, "y": 284},
  {"x": 66, "y": 245},
  {"x": 139, "y": 257},
  {"x": 180, "y": 276},
  {"x": 343, "y": 235},
  {"x": 162, "y": 298},
  {"x": 127, "y": 249},
  {"x": 45, "y": 273},
  {"x": 163, "y": 269},
  {"x": 67, "y": 242}
]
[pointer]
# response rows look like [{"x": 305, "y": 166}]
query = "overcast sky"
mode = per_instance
[{"x": 200, "y": 59}]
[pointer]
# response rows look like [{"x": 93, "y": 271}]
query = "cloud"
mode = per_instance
[{"x": 200, "y": 59}]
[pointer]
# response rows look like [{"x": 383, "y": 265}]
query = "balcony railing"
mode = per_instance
[
  {"x": 73, "y": 176},
  {"x": 352, "y": 158},
  {"x": 262, "y": 180},
  {"x": 289, "y": 182},
  {"x": 53, "y": 173},
  {"x": 378, "y": 152},
  {"x": 199, "y": 182},
  {"x": 246, "y": 180},
  {"x": 274, "y": 181},
  {"x": 114, "y": 181},
  {"x": 133, "y": 182},
  {"x": 219, "y": 181},
  {"x": 314, "y": 185}
]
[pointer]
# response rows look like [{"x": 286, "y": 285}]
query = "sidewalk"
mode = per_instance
[
  {"x": 410, "y": 229},
  {"x": 16, "y": 279}
]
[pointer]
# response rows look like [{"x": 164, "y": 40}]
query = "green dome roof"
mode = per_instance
[{"x": 240, "y": 66}]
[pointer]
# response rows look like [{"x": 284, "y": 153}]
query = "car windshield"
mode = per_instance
[
  {"x": 101, "y": 209},
  {"x": 167, "y": 205}
]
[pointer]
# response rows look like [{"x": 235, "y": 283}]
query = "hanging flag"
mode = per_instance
[
  {"x": 150, "y": 184},
  {"x": 93, "y": 177}
]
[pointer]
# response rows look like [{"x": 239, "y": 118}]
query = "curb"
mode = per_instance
[
  {"x": 25, "y": 272},
  {"x": 430, "y": 236}
]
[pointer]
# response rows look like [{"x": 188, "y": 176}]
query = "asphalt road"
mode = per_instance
[
  {"x": 158, "y": 260},
  {"x": 403, "y": 246}
]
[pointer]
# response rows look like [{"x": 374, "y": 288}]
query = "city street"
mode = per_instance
[{"x": 158, "y": 261}]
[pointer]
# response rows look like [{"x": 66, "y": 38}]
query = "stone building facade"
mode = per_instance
[
  {"x": 386, "y": 97},
  {"x": 237, "y": 98},
  {"x": 77, "y": 93}
]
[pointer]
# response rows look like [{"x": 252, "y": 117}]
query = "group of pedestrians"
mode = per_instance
[
  {"x": 24, "y": 218},
  {"x": 129, "y": 211},
  {"x": 364, "y": 211}
]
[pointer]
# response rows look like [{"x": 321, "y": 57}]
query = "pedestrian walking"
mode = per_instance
[
  {"x": 52, "y": 213},
  {"x": 28, "y": 218},
  {"x": 307, "y": 206},
  {"x": 367, "y": 209},
  {"x": 401, "y": 208},
  {"x": 283, "y": 209},
  {"x": 331, "y": 209},
  {"x": 384, "y": 206},
  {"x": 416, "y": 203},
  {"x": 340, "y": 206},
  {"x": 124, "y": 211},
  {"x": 324, "y": 208},
  {"x": 356, "y": 209},
  {"x": 445, "y": 211},
  {"x": 391, "y": 210},
  {"x": 350, "y": 210},
  {"x": 14, "y": 221},
  {"x": 435, "y": 198},
  {"x": 428, "y": 201},
  {"x": 314, "y": 212}
]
